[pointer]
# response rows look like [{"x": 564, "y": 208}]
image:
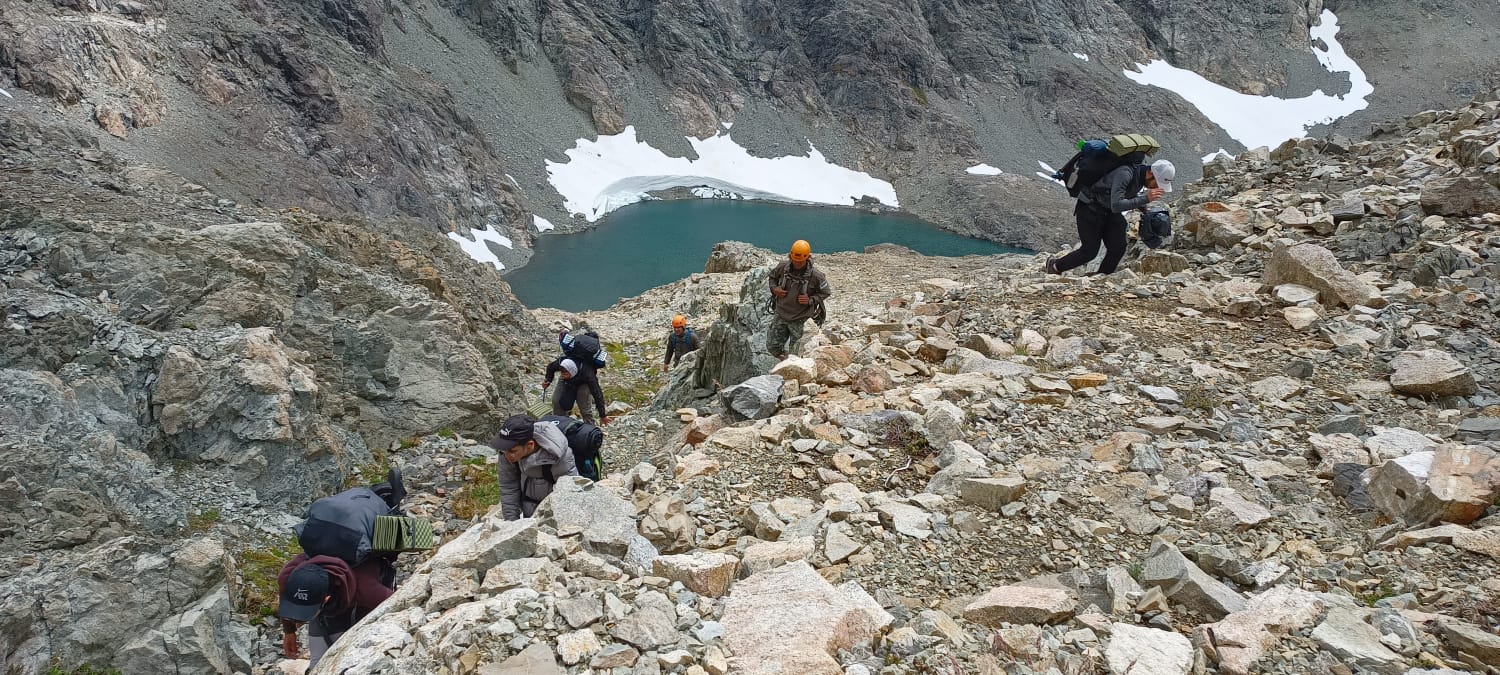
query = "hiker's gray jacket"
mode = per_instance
[
  {"x": 1113, "y": 192},
  {"x": 525, "y": 484},
  {"x": 806, "y": 281}
]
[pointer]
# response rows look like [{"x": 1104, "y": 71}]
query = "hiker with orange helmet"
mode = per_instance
[
  {"x": 679, "y": 342},
  {"x": 798, "y": 291}
]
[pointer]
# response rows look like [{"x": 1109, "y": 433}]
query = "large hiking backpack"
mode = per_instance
[
  {"x": 584, "y": 348},
  {"x": 1097, "y": 158},
  {"x": 343, "y": 525},
  {"x": 585, "y": 440}
]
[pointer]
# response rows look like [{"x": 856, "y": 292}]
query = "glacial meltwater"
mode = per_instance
[{"x": 651, "y": 243}]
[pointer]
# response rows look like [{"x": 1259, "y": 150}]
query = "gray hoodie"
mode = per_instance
[
  {"x": 1118, "y": 192},
  {"x": 525, "y": 484}
]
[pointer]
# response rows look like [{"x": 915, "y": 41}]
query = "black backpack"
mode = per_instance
[
  {"x": 1155, "y": 227},
  {"x": 584, "y": 348},
  {"x": 1095, "y": 159},
  {"x": 343, "y": 525},
  {"x": 585, "y": 440}
]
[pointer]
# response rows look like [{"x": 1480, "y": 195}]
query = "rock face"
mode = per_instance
[
  {"x": 1315, "y": 267},
  {"x": 167, "y": 607},
  {"x": 226, "y": 364},
  {"x": 1454, "y": 484},
  {"x": 789, "y": 620},
  {"x": 1430, "y": 372},
  {"x": 733, "y": 348}
]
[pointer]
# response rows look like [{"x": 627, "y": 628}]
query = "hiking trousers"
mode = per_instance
[
  {"x": 318, "y": 645},
  {"x": 783, "y": 335},
  {"x": 1095, "y": 227},
  {"x": 564, "y": 396}
]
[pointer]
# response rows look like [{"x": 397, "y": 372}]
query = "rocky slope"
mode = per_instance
[
  {"x": 1270, "y": 449},
  {"x": 173, "y": 363},
  {"x": 446, "y": 111}
]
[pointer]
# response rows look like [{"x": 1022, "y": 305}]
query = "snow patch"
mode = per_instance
[
  {"x": 478, "y": 247},
  {"x": 1255, "y": 121},
  {"x": 1046, "y": 173},
  {"x": 1081, "y": 57},
  {"x": 728, "y": 125},
  {"x": 612, "y": 171},
  {"x": 984, "y": 170},
  {"x": 1221, "y": 151},
  {"x": 542, "y": 224}
]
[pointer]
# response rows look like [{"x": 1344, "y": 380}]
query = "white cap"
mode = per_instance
[
  {"x": 570, "y": 366},
  {"x": 1164, "y": 172}
]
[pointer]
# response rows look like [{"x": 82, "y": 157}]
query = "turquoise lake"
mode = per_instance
[{"x": 652, "y": 243}]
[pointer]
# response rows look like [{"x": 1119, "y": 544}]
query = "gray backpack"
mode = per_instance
[{"x": 343, "y": 525}]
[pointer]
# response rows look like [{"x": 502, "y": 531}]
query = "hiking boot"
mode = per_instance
[
  {"x": 392, "y": 491},
  {"x": 1051, "y": 266}
]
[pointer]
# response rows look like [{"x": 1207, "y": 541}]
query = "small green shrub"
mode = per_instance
[
  {"x": 258, "y": 566},
  {"x": 1201, "y": 398},
  {"x": 481, "y": 492},
  {"x": 55, "y": 669},
  {"x": 374, "y": 470},
  {"x": 202, "y": 521}
]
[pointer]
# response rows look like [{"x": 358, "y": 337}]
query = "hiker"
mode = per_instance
[
  {"x": 797, "y": 294},
  {"x": 533, "y": 455},
  {"x": 579, "y": 385},
  {"x": 1102, "y": 203},
  {"x": 330, "y": 597},
  {"x": 322, "y": 589},
  {"x": 679, "y": 342}
]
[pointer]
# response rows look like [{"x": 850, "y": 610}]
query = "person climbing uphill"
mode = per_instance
[
  {"x": 533, "y": 456},
  {"x": 328, "y": 595},
  {"x": 579, "y": 385},
  {"x": 679, "y": 342},
  {"x": 1103, "y": 200},
  {"x": 798, "y": 291},
  {"x": 337, "y": 580}
]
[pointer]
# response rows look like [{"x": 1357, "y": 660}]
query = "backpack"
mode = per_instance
[
  {"x": 688, "y": 338},
  {"x": 343, "y": 525},
  {"x": 584, "y": 348},
  {"x": 1097, "y": 158},
  {"x": 584, "y": 440},
  {"x": 1155, "y": 227}
]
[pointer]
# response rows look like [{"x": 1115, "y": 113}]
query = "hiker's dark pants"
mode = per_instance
[
  {"x": 1095, "y": 227},
  {"x": 565, "y": 395}
]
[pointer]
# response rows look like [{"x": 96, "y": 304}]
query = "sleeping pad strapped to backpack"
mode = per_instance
[
  {"x": 585, "y": 440},
  {"x": 1096, "y": 158}
]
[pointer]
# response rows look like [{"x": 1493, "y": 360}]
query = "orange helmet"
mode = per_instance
[
  {"x": 801, "y": 250},
  {"x": 679, "y": 321}
]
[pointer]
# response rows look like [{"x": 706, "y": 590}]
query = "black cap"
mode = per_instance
[
  {"x": 306, "y": 587},
  {"x": 516, "y": 430}
]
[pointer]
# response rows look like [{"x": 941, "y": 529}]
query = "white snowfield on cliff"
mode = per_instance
[
  {"x": 1257, "y": 121},
  {"x": 478, "y": 247},
  {"x": 612, "y": 171}
]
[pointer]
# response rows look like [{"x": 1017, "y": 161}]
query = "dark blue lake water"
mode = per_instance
[{"x": 648, "y": 244}]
